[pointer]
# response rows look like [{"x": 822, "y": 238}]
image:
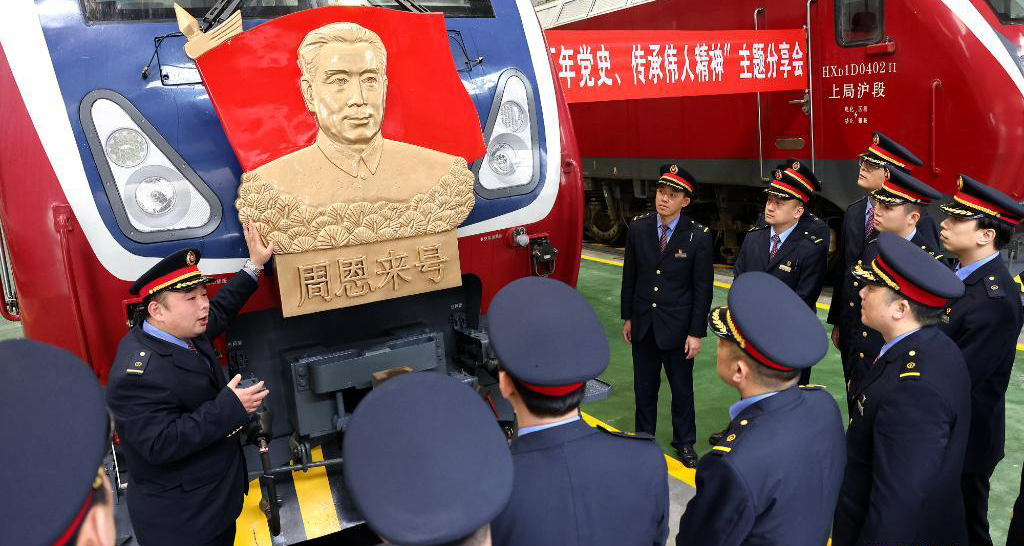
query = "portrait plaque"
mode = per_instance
[{"x": 354, "y": 216}]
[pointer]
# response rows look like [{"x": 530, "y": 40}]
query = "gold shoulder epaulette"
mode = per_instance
[
  {"x": 910, "y": 369},
  {"x": 138, "y": 365}
]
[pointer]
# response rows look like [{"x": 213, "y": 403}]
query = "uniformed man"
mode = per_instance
[
  {"x": 574, "y": 484},
  {"x": 859, "y": 227},
  {"x": 426, "y": 462},
  {"x": 666, "y": 294},
  {"x": 899, "y": 205},
  {"x": 56, "y": 433},
  {"x": 908, "y": 429},
  {"x": 984, "y": 323},
  {"x": 788, "y": 246},
  {"x": 177, "y": 416},
  {"x": 774, "y": 476}
]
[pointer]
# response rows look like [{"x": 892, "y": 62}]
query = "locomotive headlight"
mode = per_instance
[
  {"x": 512, "y": 163},
  {"x": 155, "y": 195},
  {"x": 513, "y": 116},
  {"x": 126, "y": 148}
]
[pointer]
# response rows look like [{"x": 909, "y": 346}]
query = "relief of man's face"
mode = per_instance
[{"x": 346, "y": 92}]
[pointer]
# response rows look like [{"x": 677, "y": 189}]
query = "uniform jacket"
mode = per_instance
[
  {"x": 668, "y": 291},
  {"x": 905, "y": 447},
  {"x": 774, "y": 477},
  {"x": 799, "y": 263},
  {"x": 984, "y": 323},
  {"x": 178, "y": 428},
  {"x": 860, "y": 343},
  {"x": 576, "y": 485},
  {"x": 851, "y": 247}
]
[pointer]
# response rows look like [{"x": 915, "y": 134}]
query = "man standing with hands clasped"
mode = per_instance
[
  {"x": 666, "y": 294},
  {"x": 177, "y": 417},
  {"x": 984, "y": 323}
]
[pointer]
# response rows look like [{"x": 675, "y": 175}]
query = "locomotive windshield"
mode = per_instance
[
  {"x": 1009, "y": 11},
  {"x": 163, "y": 10}
]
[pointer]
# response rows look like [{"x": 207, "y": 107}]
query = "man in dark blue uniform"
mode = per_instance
[
  {"x": 667, "y": 279},
  {"x": 175, "y": 413},
  {"x": 908, "y": 429},
  {"x": 774, "y": 476},
  {"x": 426, "y": 462},
  {"x": 859, "y": 228},
  {"x": 984, "y": 323},
  {"x": 899, "y": 205},
  {"x": 788, "y": 246},
  {"x": 56, "y": 432},
  {"x": 574, "y": 484}
]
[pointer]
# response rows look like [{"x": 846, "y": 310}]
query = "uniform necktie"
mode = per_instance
[
  {"x": 776, "y": 241},
  {"x": 664, "y": 236},
  {"x": 869, "y": 221}
]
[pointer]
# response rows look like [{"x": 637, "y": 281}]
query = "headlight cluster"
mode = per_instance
[
  {"x": 511, "y": 166},
  {"x": 154, "y": 193}
]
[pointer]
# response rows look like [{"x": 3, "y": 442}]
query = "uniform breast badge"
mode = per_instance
[
  {"x": 680, "y": 253},
  {"x": 787, "y": 267},
  {"x": 860, "y": 404}
]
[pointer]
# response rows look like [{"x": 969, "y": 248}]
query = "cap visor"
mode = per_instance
[
  {"x": 885, "y": 197},
  {"x": 954, "y": 209},
  {"x": 716, "y": 322},
  {"x": 865, "y": 274}
]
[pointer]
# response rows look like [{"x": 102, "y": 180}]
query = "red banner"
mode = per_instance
[{"x": 596, "y": 65}]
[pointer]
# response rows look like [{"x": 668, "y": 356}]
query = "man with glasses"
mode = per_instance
[
  {"x": 859, "y": 228},
  {"x": 56, "y": 422}
]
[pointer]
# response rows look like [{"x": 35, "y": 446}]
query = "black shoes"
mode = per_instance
[{"x": 688, "y": 456}]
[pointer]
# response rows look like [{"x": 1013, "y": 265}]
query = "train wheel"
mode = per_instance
[{"x": 603, "y": 229}]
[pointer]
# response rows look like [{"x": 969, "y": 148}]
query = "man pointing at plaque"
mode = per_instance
[{"x": 344, "y": 85}]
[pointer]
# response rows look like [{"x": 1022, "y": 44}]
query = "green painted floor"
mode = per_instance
[{"x": 600, "y": 283}]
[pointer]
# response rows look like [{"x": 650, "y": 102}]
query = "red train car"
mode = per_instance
[{"x": 944, "y": 77}]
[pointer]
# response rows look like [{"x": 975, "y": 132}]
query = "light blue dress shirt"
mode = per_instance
[
  {"x": 894, "y": 342},
  {"x": 738, "y": 407},
  {"x": 526, "y": 430},
  {"x": 782, "y": 236},
  {"x": 671, "y": 226},
  {"x": 965, "y": 271}
]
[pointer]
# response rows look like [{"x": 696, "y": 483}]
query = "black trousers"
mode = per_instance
[
  {"x": 1015, "y": 534},
  {"x": 227, "y": 538},
  {"x": 975, "y": 486},
  {"x": 648, "y": 360}
]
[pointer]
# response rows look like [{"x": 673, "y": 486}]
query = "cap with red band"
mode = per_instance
[
  {"x": 975, "y": 199},
  {"x": 899, "y": 188},
  {"x": 674, "y": 176},
  {"x": 789, "y": 338},
  {"x": 546, "y": 336},
  {"x": 179, "y": 271},
  {"x": 886, "y": 152},
  {"x": 59, "y": 404},
  {"x": 911, "y": 272},
  {"x": 794, "y": 180}
]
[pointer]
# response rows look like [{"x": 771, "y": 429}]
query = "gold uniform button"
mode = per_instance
[
  {"x": 992, "y": 278},
  {"x": 142, "y": 353},
  {"x": 855, "y": 283},
  {"x": 744, "y": 422},
  {"x": 861, "y": 355},
  {"x": 995, "y": 286},
  {"x": 864, "y": 333},
  {"x": 851, "y": 304},
  {"x": 655, "y": 288},
  {"x": 912, "y": 353},
  {"x": 654, "y": 305},
  {"x": 657, "y": 272}
]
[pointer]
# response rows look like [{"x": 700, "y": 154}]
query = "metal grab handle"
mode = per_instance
[
  {"x": 63, "y": 222},
  {"x": 801, "y": 102},
  {"x": 9, "y": 306}
]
